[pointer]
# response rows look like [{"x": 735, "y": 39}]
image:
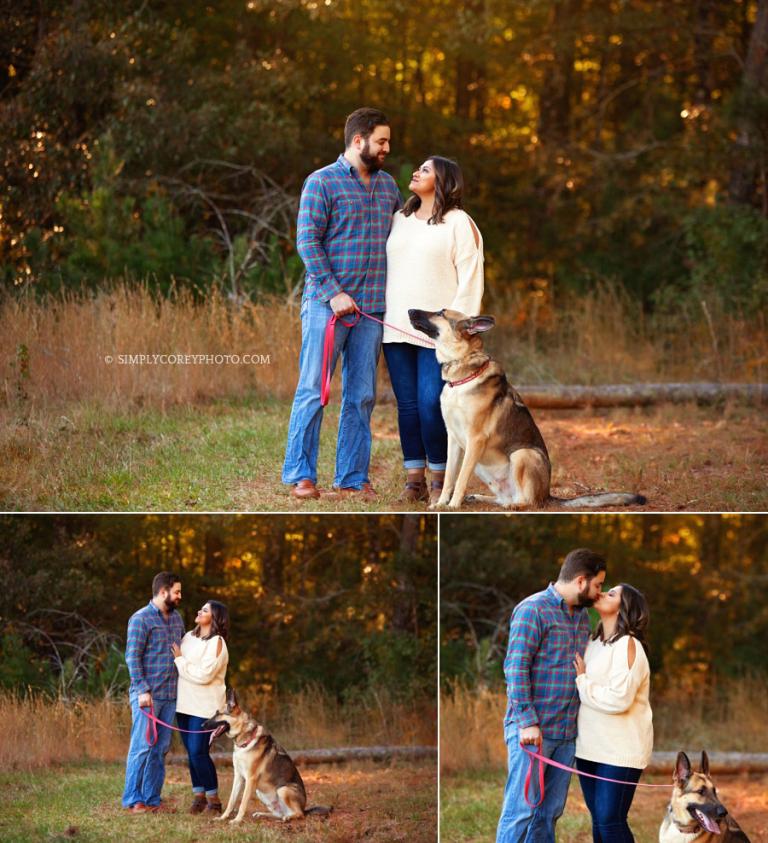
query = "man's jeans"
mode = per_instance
[
  {"x": 518, "y": 822},
  {"x": 145, "y": 765},
  {"x": 359, "y": 347}
]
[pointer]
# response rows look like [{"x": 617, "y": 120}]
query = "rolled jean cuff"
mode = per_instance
[
  {"x": 212, "y": 792},
  {"x": 436, "y": 466},
  {"x": 198, "y": 790},
  {"x": 408, "y": 464}
]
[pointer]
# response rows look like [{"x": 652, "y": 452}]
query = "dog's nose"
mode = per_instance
[{"x": 721, "y": 811}]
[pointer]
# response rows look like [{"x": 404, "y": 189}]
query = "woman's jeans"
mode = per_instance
[
  {"x": 359, "y": 348},
  {"x": 201, "y": 766},
  {"x": 415, "y": 375},
  {"x": 608, "y": 803}
]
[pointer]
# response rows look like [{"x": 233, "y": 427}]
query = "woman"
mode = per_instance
[
  {"x": 434, "y": 261},
  {"x": 202, "y": 664},
  {"x": 615, "y": 728}
]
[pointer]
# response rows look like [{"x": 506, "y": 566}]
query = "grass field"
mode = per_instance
[
  {"x": 227, "y": 455},
  {"x": 80, "y": 430},
  {"x": 374, "y": 803},
  {"x": 470, "y": 803}
]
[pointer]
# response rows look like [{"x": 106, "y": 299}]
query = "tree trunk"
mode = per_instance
[{"x": 746, "y": 154}]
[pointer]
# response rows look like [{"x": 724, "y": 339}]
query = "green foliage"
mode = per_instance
[{"x": 21, "y": 668}]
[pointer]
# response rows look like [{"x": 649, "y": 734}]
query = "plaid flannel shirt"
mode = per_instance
[
  {"x": 544, "y": 637},
  {"x": 342, "y": 233},
  {"x": 148, "y": 652}
]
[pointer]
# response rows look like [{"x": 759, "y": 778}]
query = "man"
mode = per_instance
[
  {"x": 547, "y": 631},
  {"x": 151, "y": 633},
  {"x": 345, "y": 214}
]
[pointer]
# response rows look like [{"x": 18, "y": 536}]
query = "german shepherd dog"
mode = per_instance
[
  {"x": 260, "y": 764},
  {"x": 695, "y": 813},
  {"x": 490, "y": 430}
]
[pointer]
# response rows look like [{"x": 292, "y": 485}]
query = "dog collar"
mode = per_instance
[{"x": 471, "y": 377}]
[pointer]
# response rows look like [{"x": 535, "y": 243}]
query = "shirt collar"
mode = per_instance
[
  {"x": 352, "y": 170},
  {"x": 558, "y": 599},
  {"x": 158, "y": 611}
]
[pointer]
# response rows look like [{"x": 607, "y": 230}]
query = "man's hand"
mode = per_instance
[
  {"x": 341, "y": 304},
  {"x": 145, "y": 700},
  {"x": 531, "y": 735}
]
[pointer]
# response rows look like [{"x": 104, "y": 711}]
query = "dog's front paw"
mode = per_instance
[{"x": 236, "y": 820}]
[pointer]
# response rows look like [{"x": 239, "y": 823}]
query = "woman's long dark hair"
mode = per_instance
[
  {"x": 633, "y": 617},
  {"x": 449, "y": 190},
  {"x": 219, "y": 621}
]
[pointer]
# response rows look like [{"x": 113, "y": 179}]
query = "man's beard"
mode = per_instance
[
  {"x": 372, "y": 162},
  {"x": 584, "y": 600},
  {"x": 171, "y": 603}
]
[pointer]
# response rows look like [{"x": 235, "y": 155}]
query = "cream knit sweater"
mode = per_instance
[
  {"x": 431, "y": 267},
  {"x": 201, "y": 689},
  {"x": 615, "y": 724}
]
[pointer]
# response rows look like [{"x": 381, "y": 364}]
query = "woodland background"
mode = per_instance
[{"x": 618, "y": 142}]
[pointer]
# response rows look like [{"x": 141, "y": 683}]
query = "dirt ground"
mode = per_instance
[{"x": 678, "y": 457}]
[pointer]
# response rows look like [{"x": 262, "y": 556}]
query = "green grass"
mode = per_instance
[
  {"x": 470, "y": 804},
  {"x": 226, "y": 455},
  {"x": 378, "y": 804}
]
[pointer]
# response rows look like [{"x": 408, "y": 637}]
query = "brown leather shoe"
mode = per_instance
[
  {"x": 415, "y": 490},
  {"x": 199, "y": 804},
  {"x": 436, "y": 486},
  {"x": 137, "y": 808},
  {"x": 305, "y": 489},
  {"x": 213, "y": 807},
  {"x": 162, "y": 808},
  {"x": 366, "y": 492}
]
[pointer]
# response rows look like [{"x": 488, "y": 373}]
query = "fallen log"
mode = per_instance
[
  {"x": 564, "y": 397},
  {"x": 722, "y": 763},
  {"x": 338, "y": 755},
  {"x": 557, "y": 397}
]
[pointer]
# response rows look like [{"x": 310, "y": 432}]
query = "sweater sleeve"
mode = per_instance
[
  {"x": 524, "y": 640},
  {"x": 201, "y": 673},
  {"x": 617, "y": 695},
  {"x": 468, "y": 259}
]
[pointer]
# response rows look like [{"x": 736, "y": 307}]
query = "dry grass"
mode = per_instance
[
  {"x": 471, "y": 734},
  {"x": 38, "y": 732},
  {"x": 53, "y": 352}
]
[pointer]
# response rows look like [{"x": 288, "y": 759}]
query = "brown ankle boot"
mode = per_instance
[
  {"x": 213, "y": 806},
  {"x": 415, "y": 488},
  {"x": 198, "y": 804},
  {"x": 436, "y": 486}
]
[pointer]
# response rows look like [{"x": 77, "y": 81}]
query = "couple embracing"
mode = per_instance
[
  {"x": 179, "y": 675},
  {"x": 576, "y": 696},
  {"x": 370, "y": 258}
]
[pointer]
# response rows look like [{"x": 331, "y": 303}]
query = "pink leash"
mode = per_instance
[
  {"x": 535, "y": 756},
  {"x": 152, "y": 722},
  {"x": 330, "y": 333}
]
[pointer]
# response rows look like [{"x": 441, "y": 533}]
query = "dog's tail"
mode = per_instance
[
  {"x": 605, "y": 499},
  {"x": 323, "y": 810}
]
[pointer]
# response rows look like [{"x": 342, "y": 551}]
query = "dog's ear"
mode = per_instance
[
  {"x": 232, "y": 698},
  {"x": 682, "y": 769},
  {"x": 476, "y": 324},
  {"x": 704, "y": 763}
]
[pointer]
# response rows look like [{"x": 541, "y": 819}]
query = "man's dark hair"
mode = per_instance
[
  {"x": 165, "y": 579},
  {"x": 581, "y": 562},
  {"x": 362, "y": 122}
]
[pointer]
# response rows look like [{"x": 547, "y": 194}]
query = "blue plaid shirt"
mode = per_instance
[
  {"x": 148, "y": 652},
  {"x": 342, "y": 233},
  {"x": 544, "y": 637}
]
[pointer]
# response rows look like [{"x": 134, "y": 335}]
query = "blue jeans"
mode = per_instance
[
  {"x": 608, "y": 803},
  {"x": 416, "y": 380},
  {"x": 201, "y": 766},
  {"x": 145, "y": 765},
  {"x": 518, "y": 822},
  {"x": 359, "y": 347}
]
